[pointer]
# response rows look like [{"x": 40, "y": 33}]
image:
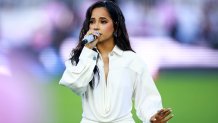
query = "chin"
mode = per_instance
[{"x": 100, "y": 41}]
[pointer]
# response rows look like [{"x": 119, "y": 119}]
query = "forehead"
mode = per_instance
[{"x": 100, "y": 12}]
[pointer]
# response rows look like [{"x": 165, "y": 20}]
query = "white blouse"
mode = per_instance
[{"x": 111, "y": 100}]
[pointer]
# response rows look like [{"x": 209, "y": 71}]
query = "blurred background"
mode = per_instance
[{"x": 178, "y": 39}]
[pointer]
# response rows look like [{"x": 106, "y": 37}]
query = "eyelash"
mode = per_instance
[
  {"x": 103, "y": 22},
  {"x": 91, "y": 22}
]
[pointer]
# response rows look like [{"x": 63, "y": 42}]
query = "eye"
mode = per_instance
[
  {"x": 103, "y": 22},
  {"x": 91, "y": 21}
]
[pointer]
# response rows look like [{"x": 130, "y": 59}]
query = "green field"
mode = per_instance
[{"x": 192, "y": 94}]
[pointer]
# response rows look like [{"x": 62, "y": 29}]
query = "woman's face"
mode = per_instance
[{"x": 101, "y": 21}]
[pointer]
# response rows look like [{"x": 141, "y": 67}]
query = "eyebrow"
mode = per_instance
[{"x": 103, "y": 18}]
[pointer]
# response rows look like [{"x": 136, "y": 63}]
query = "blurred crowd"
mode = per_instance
[{"x": 37, "y": 36}]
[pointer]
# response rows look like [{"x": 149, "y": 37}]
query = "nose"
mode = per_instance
[{"x": 96, "y": 27}]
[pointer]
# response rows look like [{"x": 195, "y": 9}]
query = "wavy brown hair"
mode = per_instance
[{"x": 120, "y": 34}]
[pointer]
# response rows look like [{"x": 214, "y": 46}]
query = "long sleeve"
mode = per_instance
[
  {"x": 77, "y": 77},
  {"x": 147, "y": 98}
]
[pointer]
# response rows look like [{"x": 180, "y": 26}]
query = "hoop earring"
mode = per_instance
[{"x": 115, "y": 34}]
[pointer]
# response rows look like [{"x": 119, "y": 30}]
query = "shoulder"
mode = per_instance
[
  {"x": 136, "y": 62},
  {"x": 134, "y": 57}
]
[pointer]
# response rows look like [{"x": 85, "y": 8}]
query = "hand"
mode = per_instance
[
  {"x": 92, "y": 44},
  {"x": 162, "y": 116}
]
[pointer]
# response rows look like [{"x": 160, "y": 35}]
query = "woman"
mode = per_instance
[{"x": 107, "y": 74}]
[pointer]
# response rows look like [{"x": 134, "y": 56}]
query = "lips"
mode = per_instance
[{"x": 97, "y": 33}]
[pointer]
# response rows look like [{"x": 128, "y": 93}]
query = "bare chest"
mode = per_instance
[{"x": 106, "y": 66}]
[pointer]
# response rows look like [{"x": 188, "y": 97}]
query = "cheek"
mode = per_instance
[{"x": 109, "y": 29}]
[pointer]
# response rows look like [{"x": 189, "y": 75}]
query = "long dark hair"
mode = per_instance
[{"x": 120, "y": 34}]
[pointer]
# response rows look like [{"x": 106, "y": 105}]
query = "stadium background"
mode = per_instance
[{"x": 178, "y": 39}]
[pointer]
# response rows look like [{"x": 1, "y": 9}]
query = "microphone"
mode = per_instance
[{"x": 90, "y": 38}]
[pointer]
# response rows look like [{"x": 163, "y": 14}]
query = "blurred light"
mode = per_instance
[
  {"x": 4, "y": 70},
  {"x": 66, "y": 48},
  {"x": 49, "y": 59}
]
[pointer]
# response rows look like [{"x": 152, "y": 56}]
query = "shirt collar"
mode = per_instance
[{"x": 117, "y": 50}]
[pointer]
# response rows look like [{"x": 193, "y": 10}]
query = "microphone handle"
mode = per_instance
[{"x": 88, "y": 38}]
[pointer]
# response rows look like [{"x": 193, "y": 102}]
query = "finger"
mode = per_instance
[
  {"x": 157, "y": 116},
  {"x": 88, "y": 32},
  {"x": 167, "y": 109},
  {"x": 166, "y": 112},
  {"x": 160, "y": 111},
  {"x": 167, "y": 118},
  {"x": 162, "y": 114}
]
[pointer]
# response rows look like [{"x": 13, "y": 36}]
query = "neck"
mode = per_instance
[{"x": 105, "y": 47}]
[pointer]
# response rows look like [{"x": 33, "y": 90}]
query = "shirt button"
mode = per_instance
[{"x": 94, "y": 58}]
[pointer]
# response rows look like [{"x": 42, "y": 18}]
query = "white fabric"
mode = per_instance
[{"x": 111, "y": 100}]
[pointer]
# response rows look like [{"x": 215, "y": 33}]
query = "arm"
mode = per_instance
[
  {"x": 147, "y": 98},
  {"x": 77, "y": 77}
]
